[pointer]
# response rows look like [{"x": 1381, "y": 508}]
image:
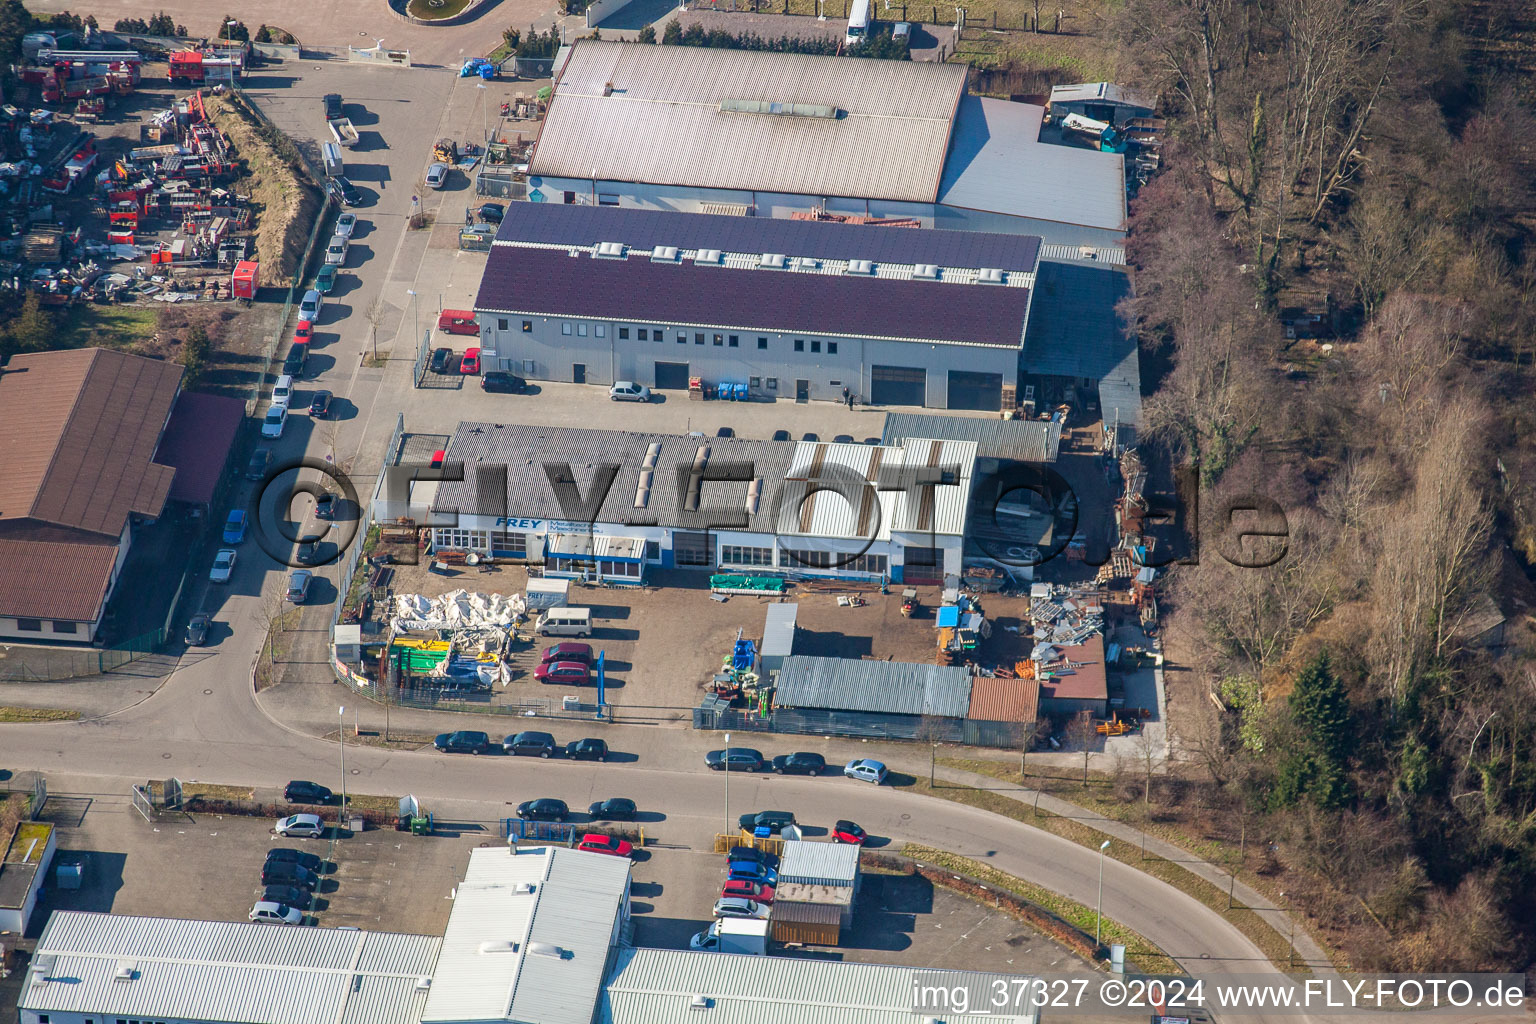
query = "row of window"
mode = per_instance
[
  {"x": 604, "y": 567},
  {"x": 42, "y": 1018},
  {"x": 515, "y": 545},
  {"x": 795, "y": 558},
  {"x": 579, "y": 329},
  {"x": 36, "y": 626}
]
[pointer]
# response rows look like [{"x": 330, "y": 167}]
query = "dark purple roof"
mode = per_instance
[
  {"x": 549, "y": 282},
  {"x": 196, "y": 442},
  {"x": 558, "y": 224}
]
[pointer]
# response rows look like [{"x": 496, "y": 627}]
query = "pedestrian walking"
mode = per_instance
[{"x": 847, "y": 398}]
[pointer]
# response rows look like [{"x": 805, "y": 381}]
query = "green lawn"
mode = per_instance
[
  {"x": 116, "y": 325},
  {"x": 431, "y": 10}
]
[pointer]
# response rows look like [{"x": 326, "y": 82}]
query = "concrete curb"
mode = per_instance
[{"x": 464, "y": 17}]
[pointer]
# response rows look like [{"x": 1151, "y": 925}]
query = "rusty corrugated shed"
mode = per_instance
[{"x": 995, "y": 699}]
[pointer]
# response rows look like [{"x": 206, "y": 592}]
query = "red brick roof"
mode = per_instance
[{"x": 55, "y": 580}]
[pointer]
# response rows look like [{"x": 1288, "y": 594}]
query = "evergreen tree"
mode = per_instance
[
  {"x": 646, "y": 35},
  {"x": 672, "y": 35}
]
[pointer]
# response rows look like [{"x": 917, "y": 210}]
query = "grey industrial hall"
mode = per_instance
[{"x": 790, "y": 309}]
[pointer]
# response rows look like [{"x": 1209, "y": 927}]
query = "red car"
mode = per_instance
[
  {"x": 568, "y": 652},
  {"x": 471, "y": 361},
  {"x": 594, "y": 842},
  {"x": 748, "y": 890},
  {"x": 303, "y": 332},
  {"x": 571, "y": 673},
  {"x": 848, "y": 832}
]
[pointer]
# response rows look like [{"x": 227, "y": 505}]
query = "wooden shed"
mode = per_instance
[{"x": 811, "y": 924}]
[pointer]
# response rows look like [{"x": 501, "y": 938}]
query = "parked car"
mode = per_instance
[
  {"x": 492, "y": 213},
  {"x": 751, "y": 871},
  {"x": 732, "y": 906},
  {"x": 437, "y": 175},
  {"x": 327, "y": 505},
  {"x": 300, "y": 792},
  {"x": 629, "y": 391},
  {"x": 296, "y": 360},
  {"x": 309, "y": 306},
  {"x": 288, "y": 855},
  {"x": 346, "y": 224},
  {"x": 223, "y": 566},
  {"x": 288, "y": 895},
  {"x": 782, "y": 435},
  {"x": 281, "y": 872},
  {"x": 320, "y": 405},
  {"x": 300, "y": 826},
  {"x": 325, "y": 279},
  {"x": 754, "y": 855},
  {"x": 256, "y": 466},
  {"x": 502, "y": 382},
  {"x": 774, "y": 821},
  {"x": 567, "y": 673},
  {"x": 197, "y": 629},
  {"x": 344, "y": 190},
  {"x": 303, "y": 332},
  {"x": 596, "y": 842},
  {"x": 587, "y": 750},
  {"x": 336, "y": 251},
  {"x": 276, "y": 420},
  {"x": 234, "y": 526},
  {"x": 462, "y": 742},
  {"x": 530, "y": 744},
  {"x": 615, "y": 808},
  {"x": 844, "y": 439},
  {"x": 748, "y": 891},
  {"x": 545, "y": 809},
  {"x": 442, "y": 359},
  {"x": 800, "y": 763},
  {"x": 735, "y": 759},
  {"x": 298, "y": 585},
  {"x": 458, "y": 321},
  {"x": 848, "y": 832},
  {"x": 471, "y": 361},
  {"x": 865, "y": 770},
  {"x": 569, "y": 651},
  {"x": 282, "y": 391},
  {"x": 267, "y": 912}
]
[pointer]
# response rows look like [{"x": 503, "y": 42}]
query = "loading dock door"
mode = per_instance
[
  {"x": 691, "y": 549},
  {"x": 898, "y": 385},
  {"x": 671, "y": 376},
  {"x": 981, "y": 391}
]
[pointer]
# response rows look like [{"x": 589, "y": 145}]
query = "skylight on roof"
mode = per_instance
[
  {"x": 779, "y": 109},
  {"x": 865, "y": 267},
  {"x": 707, "y": 256},
  {"x": 664, "y": 254},
  {"x": 771, "y": 260},
  {"x": 609, "y": 251},
  {"x": 926, "y": 271}
]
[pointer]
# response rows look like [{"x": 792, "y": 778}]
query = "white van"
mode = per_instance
[{"x": 565, "y": 622}]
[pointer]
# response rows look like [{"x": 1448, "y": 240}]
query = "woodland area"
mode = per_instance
[{"x": 1374, "y": 159}]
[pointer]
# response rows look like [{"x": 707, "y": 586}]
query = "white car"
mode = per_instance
[
  {"x": 437, "y": 175},
  {"x": 309, "y": 306},
  {"x": 267, "y": 912},
  {"x": 629, "y": 391},
  {"x": 735, "y": 906},
  {"x": 336, "y": 251},
  {"x": 277, "y": 418},
  {"x": 346, "y": 224},
  {"x": 865, "y": 770},
  {"x": 300, "y": 826},
  {"x": 282, "y": 392},
  {"x": 223, "y": 566}
]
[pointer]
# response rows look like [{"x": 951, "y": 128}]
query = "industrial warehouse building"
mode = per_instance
[
  {"x": 773, "y": 135},
  {"x": 808, "y": 508},
  {"x": 777, "y": 308}
]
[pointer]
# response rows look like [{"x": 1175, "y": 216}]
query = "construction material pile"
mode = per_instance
[
  {"x": 1064, "y": 617},
  {"x": 457, "y": 610}
]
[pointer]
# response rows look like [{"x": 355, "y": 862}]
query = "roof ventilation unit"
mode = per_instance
[
  {"x": 498, "y": 946},
  {"x": 864, "y": 267},
  {"x": 609, "y": 251},
  {"x": 127, "y": 970},
  {"x": 423, "y": 983},
  {"x": 710, "y": 257},
  {"x": 524, "y": 888},
  {"x": 700, "y": 1003},
  {"x": 926, "y": 272},
  {"x": 805, "y": 263},
  {"x": 990, "y": 275},
  {"x": 42, "y": 967},
  {"x": 664, "y": 254},
  {"x": 547, "y": 949},
  {"x": 771, "y": 260}
]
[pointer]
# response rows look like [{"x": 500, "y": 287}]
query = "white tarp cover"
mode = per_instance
[{"x": 458, "y": 609}]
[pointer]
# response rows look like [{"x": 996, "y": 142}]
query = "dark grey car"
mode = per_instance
[{"x": 530, "y": 744}]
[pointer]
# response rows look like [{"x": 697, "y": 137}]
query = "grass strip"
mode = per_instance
[
  {"x": 209, "y": 791},
  {"x": 10, "y": 713},
  {"x": 1254, "y": 928}
]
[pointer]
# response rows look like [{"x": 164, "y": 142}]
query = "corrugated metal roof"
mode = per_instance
[
  {"x": 779, "y": 630},
  {"x": 586, "y": 545},
  {"x": 528, "y": 936},
  {"x": 561, "y": 224},
  {"x": 798, "y": 911},
  {"x": 1101, "y": 92},
  {"x": 223, "y": 971},
  {"x": 1074, "y": 329},
  {"x": 997, "y": 163},
  {"x": 819, "y": 863},
  {"x": 895, "y": 687},
  {"x": 657, "y": 986},
  {"x": 1019, "y": 440},
  {"x": 652, "y": 114},
  {"x": 522, "y": 280},
  {"x": 994, "y": 699},
  {"x": 835, "y": 490}
]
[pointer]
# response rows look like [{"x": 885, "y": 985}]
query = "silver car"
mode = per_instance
[
  {"x": 298, "y": 585},
  {"x": 629, "y": 391},
  {"x": 267, "y": 912},
  {"x": 437, "y": 175}
]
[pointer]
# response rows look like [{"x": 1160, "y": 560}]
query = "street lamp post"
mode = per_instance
[
  {"x": 1098, "y": 918},
  {"x": 485, "y": 101},
  {"x": 341, "y": 739},
  {"x": 415, "y": 320},
  {"x": 727, "y": 755}
]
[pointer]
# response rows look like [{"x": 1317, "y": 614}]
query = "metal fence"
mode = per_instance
[
  {"x": 419, "y": 370},
  {"x": 21, "y": 663},
  {"x": 863, "y": 724},
  {"x": 533, "y": 67},
  {"x": 500, "y": 185},
  {"x": 549, "y": 831}
]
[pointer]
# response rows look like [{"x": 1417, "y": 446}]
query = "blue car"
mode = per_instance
[
  {"x": 234, "y": 527},
  {"x": 751, "y": 871}
]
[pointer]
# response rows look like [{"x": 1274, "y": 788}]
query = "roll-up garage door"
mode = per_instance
[
  {"x": 691, "y": 549},
  {"x": 671, "y": 376},
  {"x": 897, "y": 385},
  {"x": 969, "y": 390}
]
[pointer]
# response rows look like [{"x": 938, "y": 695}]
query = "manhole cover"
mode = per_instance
[
  {"x": 355, "y": 771},
  {"x": 207, "y": 692},
  {"x": 165, "y": 757}
]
